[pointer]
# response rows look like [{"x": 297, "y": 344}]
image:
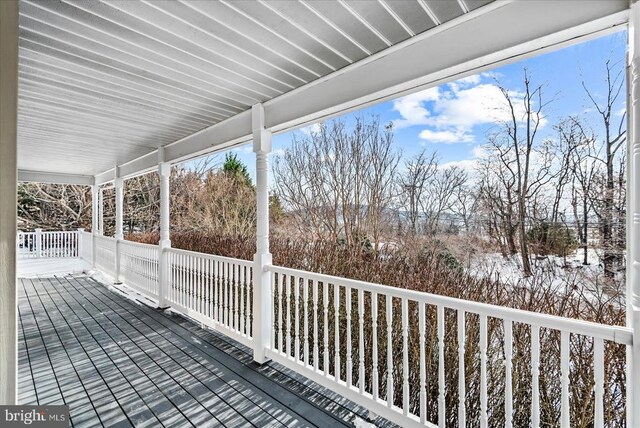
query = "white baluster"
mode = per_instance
[
  {"x": 230, "y": 295},
  {"x": 296, "y": 284},
  {"x": 281, "y": 314},
  {"x": 236, "y": 310},
  {"x": 374, "y": 339},
  {"x": 241, "y": 269},
  {"x": 288, "y": 293},
  {"x": 190, "y": 292},
  {"x": 361, "y": 376},
  {"x": 535, "y": 376},
  {"x": 325, "y": 304},
  {"x": 462, "y": 390},
  {"x": 216, "y": 291},
  {"x": 598, "y": 377},
  {"x": 389, "y": 317},
  {"x": 274, "y": 311},
  {"x": 484, "y": 419},
  {"x": 315, "y": 325},
  {"x": 209, "y": 289},
  {"x": 201, "y": 299},
  {"x": 564, "y": 369},
  {"x": 336, "y": 307},
  {"x": 249, "y": 301},
  {"x": 405, "y": 357},
  {"x": 508, "y": 355},
  {"x": 183, "y": 276},
  {"x": 349, "y": 343},
  {"x": 441, "y": 384},
  {"x": 423, "y": 367},
  {"x": 305, "y": 297}
]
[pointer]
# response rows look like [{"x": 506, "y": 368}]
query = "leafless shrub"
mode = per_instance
[{"x": 430, "y": 273}]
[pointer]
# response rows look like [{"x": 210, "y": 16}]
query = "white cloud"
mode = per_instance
[
  {"x": 448, "y": 137},
  {"x": 412, "y": 108},
  {"x": 451, "y": 112},
  {"x": 468, "y": 165},
  {"x": 465, "y": 82},
  {"x": 310, "y": 129}
]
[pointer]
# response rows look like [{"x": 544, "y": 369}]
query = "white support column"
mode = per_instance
[
  {"x": 79, "y": 242},
  {"x": 262, "y": 259},
  {"x": 633, "y": 241},
  {"x": 95, "y": 221},
  {"x": 38, "y": 242},
  {"x": 100, "y": 211},
  {"x": 8, "y": 191},
  {"x": 164, "y": 171},
  {"x": 118, "y": 184}
]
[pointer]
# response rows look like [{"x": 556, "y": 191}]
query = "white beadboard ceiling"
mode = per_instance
[
  {"x": 102, "y": 83},
  {"x": 106, "y": 83}
]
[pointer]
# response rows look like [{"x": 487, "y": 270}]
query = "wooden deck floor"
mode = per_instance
[{"x": 119, "y": 363}]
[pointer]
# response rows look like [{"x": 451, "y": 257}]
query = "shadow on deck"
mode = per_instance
[{"x": 117, "y": 362}]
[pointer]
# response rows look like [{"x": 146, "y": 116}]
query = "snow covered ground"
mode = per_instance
[{"x": 551, "y": 272}]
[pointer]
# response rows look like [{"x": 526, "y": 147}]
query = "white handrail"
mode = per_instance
[
  {"x": 401, "y": 314},
  {"x": 617, "y": 334},
  {"x": 208, "y": 256}
]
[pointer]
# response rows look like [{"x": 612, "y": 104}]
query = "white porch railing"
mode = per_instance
[
  {"x": 214, "y": 290},
  {"x": 47, "y": 244},
  {"x": 105, "y": 254},
  {"x": 139, "y": 267},
  {"x": 405, "y": 355},
  {"x": 314, "y": 314}
]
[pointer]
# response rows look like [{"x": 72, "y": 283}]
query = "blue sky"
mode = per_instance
[{"x": 454, "y": 118}]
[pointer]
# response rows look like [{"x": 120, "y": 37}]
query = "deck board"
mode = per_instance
[{"x": 117, "y": 362}]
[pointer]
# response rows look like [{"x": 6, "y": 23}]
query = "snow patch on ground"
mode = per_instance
[
  {"x": 562, "y": 275},
  {"x": 361, "y": 423}
]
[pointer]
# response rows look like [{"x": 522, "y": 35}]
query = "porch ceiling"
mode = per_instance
[{"x": 104, "y": 83}]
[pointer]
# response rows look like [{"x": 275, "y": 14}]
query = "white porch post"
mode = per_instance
[
  {"x": 262, "y": 258},
  {"x": 164, "y": 171},
  {"x": 100, "y": 210},
  {"x": 38, "y": 239},
  {"x": 633, "y": 242},
  {"x": 8, "y": 191},
  {"x": 94, "y": 221},
  {"x": 79, "y": 243},
  {"x": 119, "y": 235}
]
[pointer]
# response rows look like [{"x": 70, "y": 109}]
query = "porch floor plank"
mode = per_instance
[{"x": 117, "y": 362}]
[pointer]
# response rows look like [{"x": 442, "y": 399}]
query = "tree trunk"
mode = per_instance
[{"x": 585, "y": 229}]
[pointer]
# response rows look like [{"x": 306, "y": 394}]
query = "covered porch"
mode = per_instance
[
  {"x": 141, "y": 89},
  {"x": 115, "y": 360}
]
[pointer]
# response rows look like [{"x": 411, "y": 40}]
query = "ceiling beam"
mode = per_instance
[
  {"x": 494, "y": 35},
  {"x": 54, "y": 178}
]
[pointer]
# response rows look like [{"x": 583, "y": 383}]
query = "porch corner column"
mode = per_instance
[
  {"x": 164, "y": 171},
  {"x": 95, "y": 227},
  {"x": 8, "y": 201},
  {"x": 100, "y": 225},
  {"x": 119, "y": 235},
  {"x": 633, "y": 243},
  {"x": 262, "y": 259}
]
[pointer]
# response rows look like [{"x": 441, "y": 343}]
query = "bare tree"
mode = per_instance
[
  {"x": 53, "y": 206},
  {"x": 412, "y": 183},
  {"x": 439, "y": 196},
  {"x": 583, "y": 167},
  {"x": 518, "y": 167},
  {"x": 338, "y": 182},
  {"x": 610, "y": 214},
  {"x": 465, "y": 205}
]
